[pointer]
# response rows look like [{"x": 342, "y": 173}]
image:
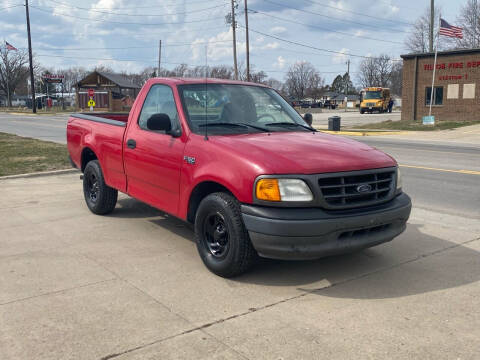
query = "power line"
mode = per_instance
[
  {"x": 324, "y": 29},
  {"x": 123, "y": 22},
  {"x": 120, "y": 14},
  {"x": 314, "y": 47},
  {"x": 173, "y": 3},
  {"x": 131, "y": 47},
  {"x": 11, "y": 7},
  {"x": 356, "y": 13},
  {"x": 332, "y": 17}
]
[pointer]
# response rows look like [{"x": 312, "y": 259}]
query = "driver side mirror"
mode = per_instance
[
  {"x": 162, "y": 122},
  {"x": 308, "y": 119}
]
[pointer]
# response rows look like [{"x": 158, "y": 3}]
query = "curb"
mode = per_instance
[
  {"x": 40, "y": 174},
  {"x": 364, "y": 133}
]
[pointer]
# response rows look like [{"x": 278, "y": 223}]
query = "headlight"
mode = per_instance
[
  {"x": 283, "y": 190},
  {"x": 399, "y": 180}
]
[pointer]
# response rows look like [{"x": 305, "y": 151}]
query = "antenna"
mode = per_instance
[{"x": 206, "y": 92}]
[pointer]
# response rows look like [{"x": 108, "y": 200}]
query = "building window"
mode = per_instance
[{"x": 437, "y": 95}]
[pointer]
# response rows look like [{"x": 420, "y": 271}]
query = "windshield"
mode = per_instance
[
  {"x": 234, "y": 109},
  {"x": 373, "y": 95}
]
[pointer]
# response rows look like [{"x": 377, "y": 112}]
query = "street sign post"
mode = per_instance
[{"x": 91, "y": 104}]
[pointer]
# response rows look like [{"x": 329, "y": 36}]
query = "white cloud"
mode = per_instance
[
  {"x": 278, "y": 30},
  {"x": 280, "y": 63},
  {"x": 341, "y": 57},
  {"x": 360, "y": 33}
]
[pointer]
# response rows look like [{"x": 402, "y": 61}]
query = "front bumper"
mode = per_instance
[
  {"x": 310, "y": 233},
  {"x": 372, "y": 108}
]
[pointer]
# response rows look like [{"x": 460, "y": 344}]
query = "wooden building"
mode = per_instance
[{"x": 113, "y": 92}]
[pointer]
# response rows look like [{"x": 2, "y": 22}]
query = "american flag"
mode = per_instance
[
  {"x": 449, "y": 30},
  {"x": 10, "y": 47}
]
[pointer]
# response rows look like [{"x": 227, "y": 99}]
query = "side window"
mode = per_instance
[
  {"x": 159, "y": 100},
  {"x": 437, "y": 95}
]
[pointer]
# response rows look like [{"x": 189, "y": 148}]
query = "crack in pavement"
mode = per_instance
[
  {"x": 56, "y": 291},
  {"x": 252, "y": 310}
]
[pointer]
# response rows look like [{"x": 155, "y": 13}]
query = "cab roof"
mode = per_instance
[{"x": 186, "y": 81}]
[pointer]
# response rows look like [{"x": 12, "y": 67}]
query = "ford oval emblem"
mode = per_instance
[{"x": 364, "y": 188}]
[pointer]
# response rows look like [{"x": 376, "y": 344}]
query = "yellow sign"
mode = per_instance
[{"x": 91, "y": 103}]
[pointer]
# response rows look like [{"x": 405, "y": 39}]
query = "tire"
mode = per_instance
[
  {"x": 362, "y": 111},
  {"x": 221, "y": 237},
  {"x": 100, "y": 198}
]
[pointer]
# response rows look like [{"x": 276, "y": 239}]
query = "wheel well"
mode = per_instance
[
  {"x": 199, "y": 193},
  {"x": 87, "y": 156}
]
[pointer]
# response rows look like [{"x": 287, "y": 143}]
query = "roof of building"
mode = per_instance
[
  {"x": 118, "y": 79},
  {"x": 441, "y": 53}
]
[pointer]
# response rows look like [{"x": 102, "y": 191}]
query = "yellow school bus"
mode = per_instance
[{"x": 374, "y": 99}]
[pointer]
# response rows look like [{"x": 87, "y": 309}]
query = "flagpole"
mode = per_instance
[{"x": 434, "y": 68}]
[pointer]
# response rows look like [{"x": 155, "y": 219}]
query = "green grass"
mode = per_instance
[
  {"x": 416, "y": 125},
  {"x": 19, "y": 155}
]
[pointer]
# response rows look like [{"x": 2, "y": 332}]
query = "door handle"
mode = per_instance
[{"x": 132, "y": 144}]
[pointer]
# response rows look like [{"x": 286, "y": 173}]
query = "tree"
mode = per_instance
[
  {"x": 396, "y": 78},
  {"x": 338, "y": 85},
  {"x": 469, "y": 20},
  {"x": 419, "y": 38},
  {"x": 376, "y": 71},
  {"x": 13, "y": 71},
  {"x": 302, "y": 79}
]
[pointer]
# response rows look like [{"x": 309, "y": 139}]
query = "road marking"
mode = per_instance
[{"x": 470, "y": 172}]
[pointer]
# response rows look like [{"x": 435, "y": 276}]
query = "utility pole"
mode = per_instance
[
  {"x": 234, "y": 25},
  {"x": 32, "y": 79},
  {"x": 346, "y": 85},
  {"x": 432, "y": 23},
  {"x": 247, "y": 42},
  {"x": 159, "y": 56}
]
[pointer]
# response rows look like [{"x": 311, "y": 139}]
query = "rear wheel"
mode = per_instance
[
  {"x": 222, "y": 240},
  {"x": 100, "y": 198}
]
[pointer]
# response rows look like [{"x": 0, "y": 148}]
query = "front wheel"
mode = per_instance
[
  {"x": 100, "y": 198},
  {"x": 222, "y": 240}
]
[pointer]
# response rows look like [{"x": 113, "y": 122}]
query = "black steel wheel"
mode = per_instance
[
  {"x": 222, "y": 240},
  {"x": 100, "y": 198},
  {"x": 216, "y": 234}
]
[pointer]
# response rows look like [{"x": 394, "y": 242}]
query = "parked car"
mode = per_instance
[
  {"x": 329, "y": 104},
  {"x": 252, "y": 183}
]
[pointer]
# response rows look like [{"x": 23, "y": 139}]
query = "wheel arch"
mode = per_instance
[
  {"x": 199, "y": 192},
  {"x": 87, "y": 155}
]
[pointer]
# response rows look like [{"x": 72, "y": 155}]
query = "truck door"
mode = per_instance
[{"x": 153, "y": 159}]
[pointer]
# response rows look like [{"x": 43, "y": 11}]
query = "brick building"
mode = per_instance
[{"x": 455, "y": 96}]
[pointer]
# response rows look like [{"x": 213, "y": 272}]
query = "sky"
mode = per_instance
[{"x": 124, "y": 35}]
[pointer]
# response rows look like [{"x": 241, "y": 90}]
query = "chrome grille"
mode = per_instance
[
  {"x": 371, "y": 104},
  {"x": 356, "y": 189}
]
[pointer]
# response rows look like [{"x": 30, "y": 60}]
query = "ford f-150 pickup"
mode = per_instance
[{"x": 239, "y": 163}]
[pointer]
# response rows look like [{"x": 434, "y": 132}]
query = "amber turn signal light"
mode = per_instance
[{"x": 268, "y": 190}]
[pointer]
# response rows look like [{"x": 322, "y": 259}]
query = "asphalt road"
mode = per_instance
[
  {"x": 43, "y": 127},
  {"x": 435, "y": 174}
]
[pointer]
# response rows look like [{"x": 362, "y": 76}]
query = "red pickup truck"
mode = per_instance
[{"x": 239, "y": 163}]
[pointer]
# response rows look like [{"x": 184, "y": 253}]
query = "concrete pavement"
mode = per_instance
[{"x": 131, "y": 285}]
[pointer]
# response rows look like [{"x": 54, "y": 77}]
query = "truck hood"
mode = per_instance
[{"x": 303, "y": 153}]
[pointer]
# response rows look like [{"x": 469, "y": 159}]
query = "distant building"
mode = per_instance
[
  {"x": 455, "y": 97},
  {"x": 113, "y": 92}
]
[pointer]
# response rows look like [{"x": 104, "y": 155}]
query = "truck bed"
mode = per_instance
[{"x": 102, "y": 134}]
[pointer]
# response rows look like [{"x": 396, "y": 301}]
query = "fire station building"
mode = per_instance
[{"x": 456, "y": 96}]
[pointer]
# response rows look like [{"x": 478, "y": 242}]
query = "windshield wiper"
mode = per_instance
[
  {"x": 290, "y": 124},
  {"x": 245, "y": 125}
]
